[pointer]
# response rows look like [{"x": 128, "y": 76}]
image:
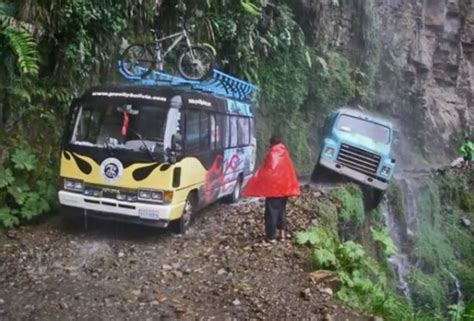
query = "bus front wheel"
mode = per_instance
[{"x": 181, "y": 225}]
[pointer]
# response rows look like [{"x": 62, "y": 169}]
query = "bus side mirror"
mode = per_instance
[{"x": 177, "y": 142}]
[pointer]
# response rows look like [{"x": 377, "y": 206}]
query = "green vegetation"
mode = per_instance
[
  {"x": 49, "y": 51},
  {"x": 442, "y": 247},
  {"x": 351, "y": 202}
]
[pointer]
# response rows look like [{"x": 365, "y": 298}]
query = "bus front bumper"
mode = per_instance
[
  {"x": 349, "y": 172},
  {"x": 134, "y": 212}
]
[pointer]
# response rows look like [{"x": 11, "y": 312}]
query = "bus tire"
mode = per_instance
[
  {"x": 181, "y": 225},
  {"x": 235, "y": 195}
]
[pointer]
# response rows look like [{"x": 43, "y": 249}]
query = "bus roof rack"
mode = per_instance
[{"x": 218, "y": 83}]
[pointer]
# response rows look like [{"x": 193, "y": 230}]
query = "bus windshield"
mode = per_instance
[
  {"x": 378, "y": 133},
  {"x": 127, "y": 126}
]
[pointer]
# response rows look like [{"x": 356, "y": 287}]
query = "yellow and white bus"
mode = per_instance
[{"x": 154, "y": 155}]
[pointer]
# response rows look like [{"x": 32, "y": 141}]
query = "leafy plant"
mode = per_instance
[
  {"x": 363, "y": 283},
  {"x": 350, "y": 198},
  {"x": 24, "y": 193},
  {"x": 383, "y": 239}
]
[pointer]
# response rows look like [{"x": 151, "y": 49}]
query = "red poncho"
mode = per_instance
[{"x": 276, "y": 177}]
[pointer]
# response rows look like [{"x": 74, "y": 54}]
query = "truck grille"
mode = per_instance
[{"x": 358, "y": 159}]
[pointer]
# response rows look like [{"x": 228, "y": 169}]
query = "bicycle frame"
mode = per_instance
[{"x": 179, "y": 36}]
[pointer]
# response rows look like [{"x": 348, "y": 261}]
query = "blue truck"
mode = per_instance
[{"x": 359, "y": 146}]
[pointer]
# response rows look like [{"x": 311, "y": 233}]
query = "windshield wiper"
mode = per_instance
[{"x": 144, "y": 144}]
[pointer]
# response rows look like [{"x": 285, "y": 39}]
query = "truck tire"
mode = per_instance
[{"x": 377, "y": 197}]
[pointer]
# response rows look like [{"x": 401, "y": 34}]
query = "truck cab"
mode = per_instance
[{"x": 359, "y": 146}]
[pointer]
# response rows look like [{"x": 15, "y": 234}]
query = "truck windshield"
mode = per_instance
[
  {"x": 127, "y": 126},
  {"x": 377, "y": 132}
]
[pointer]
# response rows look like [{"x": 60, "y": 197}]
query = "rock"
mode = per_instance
[
  {"x": 236, "y": 302},
  {"x": 136, "y": 292},
  {"x": 12, "y": 234},
  {"x": 465, "y": 222},
  {"x": 121, "y": 254},
  {"x": 180, "y": 309},
  {"x": 306, "y": 293},
  {"x": 161, "y": 298},
  {"x": 166, "y": 267},
  {"x": 327, "y": 291},
  {"x": 187, "y": 271},
  {"x": 329, "y": 278},
  {"x": 146, "y": 296},
  {"x": 221, "y": 271},
  {"x": 321, "y": 275},
  {"x": 178, "y": 274},
  {"x": 328, "y": 317},
  {"x": 2, "y": 301}
]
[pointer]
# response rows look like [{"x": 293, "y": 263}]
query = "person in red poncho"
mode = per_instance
[{"x": 276, "y": 181}]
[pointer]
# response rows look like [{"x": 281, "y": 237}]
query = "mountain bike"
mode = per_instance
[{"x": 195, "y": 63}]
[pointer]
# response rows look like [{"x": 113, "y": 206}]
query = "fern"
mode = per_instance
[{"x": 24, "y": 47}]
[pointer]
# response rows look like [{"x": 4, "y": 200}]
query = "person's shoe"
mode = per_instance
[
  {"x": 281, "y": 235},
  {"x": 270, "y": 241}
]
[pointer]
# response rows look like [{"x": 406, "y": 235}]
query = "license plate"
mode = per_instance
[{"x": 149, "y": 215}]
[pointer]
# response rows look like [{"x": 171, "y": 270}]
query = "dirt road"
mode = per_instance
[{"x": 220, "y": 270}]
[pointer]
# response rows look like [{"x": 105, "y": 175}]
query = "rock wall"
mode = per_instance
[{"x": 425, "y": 75}]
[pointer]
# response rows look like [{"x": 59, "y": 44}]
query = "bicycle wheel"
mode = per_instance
[
  {"x": 196, "y": 63},
  {"x": 137, "y": 60}
]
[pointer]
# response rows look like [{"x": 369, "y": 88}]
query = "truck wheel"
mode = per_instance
[
  {"x": 318, "y": 173},
  {"x": 377, "y": 197},
  {"x": 181, "y": 225}
]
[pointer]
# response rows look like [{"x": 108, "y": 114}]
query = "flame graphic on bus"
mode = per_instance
[{"x": 220, "y": 173}]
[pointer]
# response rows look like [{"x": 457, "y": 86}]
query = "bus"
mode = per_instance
[
  {"x": 154, "y": 155},
  {"x": 359, "y": 146}
]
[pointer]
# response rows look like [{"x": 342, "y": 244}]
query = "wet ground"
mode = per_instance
[{"x": 220, "y": 270}]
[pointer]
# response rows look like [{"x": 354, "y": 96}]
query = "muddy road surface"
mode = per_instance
[{"x": 220, "y": 270}]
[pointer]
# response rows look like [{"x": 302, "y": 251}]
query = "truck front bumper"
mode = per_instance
[
  {"x": 349, "y": 172},
  {"x": 133, "y": 212}
]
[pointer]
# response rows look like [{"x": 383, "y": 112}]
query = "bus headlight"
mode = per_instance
[
  {"x": 144, "y": 195},
  {"x": 73, "y": 185},
  {"x": 385, "y": 171},
  {"x": 329, "y": 152},
  {"x": 155, "y": 196}
]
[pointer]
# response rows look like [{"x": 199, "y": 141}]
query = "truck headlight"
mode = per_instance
[
  {"x": 73, "y": 185},
  {"x": 385, "y": 171},
  {"x": 329, "y": 152}
]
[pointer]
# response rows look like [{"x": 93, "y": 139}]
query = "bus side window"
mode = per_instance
[
  {"x": 243, "y": 131},
  {"x": 192, "y": 131},
  {"x": 226, "y": 131},
  {"x": 233, "y": 131},
  {"x": 216, "y": 131},
  {"x": 204, "y": 136},
  {"x": 252, "y": 130}
]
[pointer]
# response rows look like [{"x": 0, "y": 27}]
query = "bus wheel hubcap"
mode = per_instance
[{"x": 187, "y": 213}]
